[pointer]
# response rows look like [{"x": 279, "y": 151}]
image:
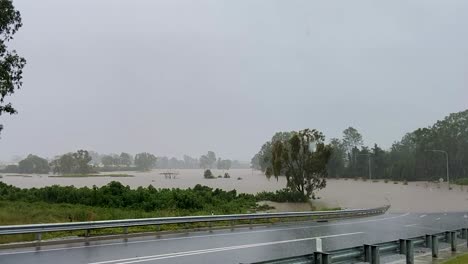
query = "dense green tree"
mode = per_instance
[
  {"x": 145, "y": 161},
  {"x": 302, "y": 160},
  {"x": 95, "y": 158},
  {"x": 336, "y": 164},
  {"x": 223, "y": 164},
  {"x": 77, "y": 162},
  {"x": 351, "y": 139},
  {"x": 125, "y": 159},
  {"x": 107, "y": 160},
  {"x": 255, "y": 162},
  {"x": 262, "y": 159},
  {"x": 211, "y": 158},
  {"x": 33, "y": 164},
  {"x": 204, "y": 162},
  {"x": 11, "y": 64}
]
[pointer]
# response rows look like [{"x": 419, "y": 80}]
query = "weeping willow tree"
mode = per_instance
[{"x": 302, "y": 159}]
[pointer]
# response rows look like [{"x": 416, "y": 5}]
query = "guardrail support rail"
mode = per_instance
[
  {"x": 322, "y": 258},
  {"x": 402, "y": 243},
  {"x": 428, "y": 241},
  {"x": 375, "y": 255},
  {"x": 409, "y": 251},
  {"x": 466, "y": 236},
  {"x": 367, "y": 253},
  {"x": 453, "y": 241},
  {"x": 371, "y": 253},
  {"x": 435, "y": 246},
  {"x": 232, "y": 220},
  {"x": 38, "y": 236}
]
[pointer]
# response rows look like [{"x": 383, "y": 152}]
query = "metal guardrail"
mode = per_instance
[
  {"x": 373, "y": 253},
  {"x": 38, "y": 229}
]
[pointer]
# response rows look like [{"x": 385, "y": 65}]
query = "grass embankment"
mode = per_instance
[
  {"x": 41, "y": 212},
  {"x": 115, "y": 201},
  {"x": 463, "y": 259}
]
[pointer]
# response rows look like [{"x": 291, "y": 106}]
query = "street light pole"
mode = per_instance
[{"x": 446, "y": 159}]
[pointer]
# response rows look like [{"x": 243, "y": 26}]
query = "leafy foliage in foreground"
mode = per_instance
[
  {"x": 11, "y": 64},
  {"x": 282, "y": 196},
  {"x": 116, "y": 195}
]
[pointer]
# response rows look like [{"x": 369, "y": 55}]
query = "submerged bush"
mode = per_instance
[{"x": 208, "y": 174}]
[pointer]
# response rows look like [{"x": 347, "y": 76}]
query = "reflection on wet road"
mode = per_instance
[{"x": 241, "y": 245}]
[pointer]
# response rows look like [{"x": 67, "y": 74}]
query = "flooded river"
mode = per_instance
[
  {"x": 250, "y": 182},
  {"x": 414, "y": 197}
]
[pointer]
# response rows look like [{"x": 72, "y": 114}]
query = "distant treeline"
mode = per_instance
[
  {"x": 116, "y": 195},
  {"x": 419, "y": 155},
  {"x": 84, "y": 161}
]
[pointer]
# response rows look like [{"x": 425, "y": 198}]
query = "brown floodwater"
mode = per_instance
[
  {"x": 414, "y": 197},
  {"x": 251, "y": 182}
]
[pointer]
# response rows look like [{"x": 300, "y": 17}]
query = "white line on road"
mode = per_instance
[
  {"x": 411, "y": 225},
  {"x": 422, "y": 216},
  {"x": 211, "y": 250},
  {"x": 202, "y": 236}
]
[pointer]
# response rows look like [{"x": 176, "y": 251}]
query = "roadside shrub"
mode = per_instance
[
  {"x": 116, "y": 195},
  {"x": 281, "y": 196},
  {"x": 227, "y": 176}
]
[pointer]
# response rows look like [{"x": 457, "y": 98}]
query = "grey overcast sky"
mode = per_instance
[{"x": 173, "y": 77}]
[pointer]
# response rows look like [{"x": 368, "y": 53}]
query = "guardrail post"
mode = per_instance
[
  {"x": 250, "y": 223},
  {"x": 125, "y": 230},
  {"x": 435, "y": 246},
  {"x": 453, "y": 241},
  {"x": 466, "y": 237},
  {"x": 367, "y": 253},
  {"x": 447, "y": 236},
  {"x": 322, "y": 258},
  {"x": 409, "y": 252},
  {"x": 402, "y": 246},
  {"x": 464, "y": 233},
  {"x": 39, "y": 236},
  {"x": 87, "y": 233},
  {"x": 375, "y": 255},
  {"x": 428, "y": 241}
]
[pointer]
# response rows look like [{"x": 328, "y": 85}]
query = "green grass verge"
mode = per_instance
[
  {"x": 463, "y": 259},
  {"x": 16, "y": 213}
]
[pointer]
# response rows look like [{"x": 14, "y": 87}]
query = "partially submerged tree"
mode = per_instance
[
  {"x": 11, "y": 64},
  {"x": 77, "y": 162},
  {"x": 302, "y": 159},
  {"x": 145, "y": 161},
  {"x": 33, "y": 164},
  {"x": 208, "y": 174}
]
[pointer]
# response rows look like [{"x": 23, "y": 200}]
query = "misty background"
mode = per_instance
[{"x": 183, "y": 77}]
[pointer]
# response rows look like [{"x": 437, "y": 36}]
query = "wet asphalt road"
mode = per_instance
[{"x": 242, "y": 245}]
